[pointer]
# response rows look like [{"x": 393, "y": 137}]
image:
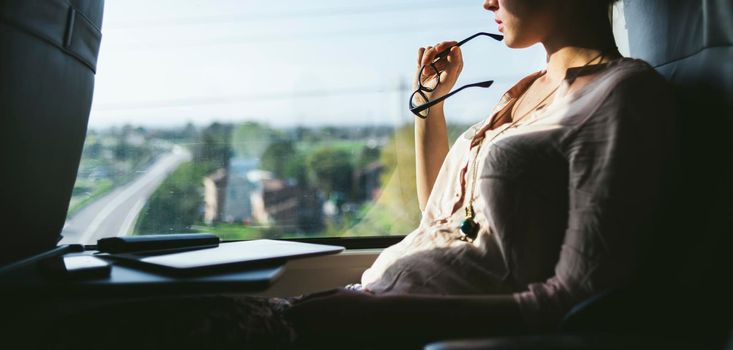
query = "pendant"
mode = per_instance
[{"x": 469, "y": 227}]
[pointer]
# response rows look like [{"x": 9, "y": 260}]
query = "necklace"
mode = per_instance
[
  {"x": 469, "y": 227},
  {"x": 536, "y": 106},
  {"x": 521, "y": 100}
]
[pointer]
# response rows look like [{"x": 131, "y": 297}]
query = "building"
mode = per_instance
[
  {"x": 238, "y": 207},
  {"x": 283, "y": 204},
  {"x": 214, "y": 187}
]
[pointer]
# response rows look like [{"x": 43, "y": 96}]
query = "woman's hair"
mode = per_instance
[{"x": 609, "y": 4}]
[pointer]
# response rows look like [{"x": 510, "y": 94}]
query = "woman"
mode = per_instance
[
  {"x": 533, "y": 210},
  {"x": 538, "y": 207}
]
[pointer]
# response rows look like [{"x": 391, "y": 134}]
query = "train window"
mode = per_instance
[{"x": 261, "y": 119}]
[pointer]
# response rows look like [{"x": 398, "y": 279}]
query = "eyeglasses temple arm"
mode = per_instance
[
  {"x": 445, "y": 52},
  {"x": 429, "y": 104},
  {"x": 497, "y": 37}
]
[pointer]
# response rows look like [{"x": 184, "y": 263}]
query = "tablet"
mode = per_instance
[{"x": 228, "y": 256}]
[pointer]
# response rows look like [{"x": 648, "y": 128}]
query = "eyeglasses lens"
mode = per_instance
[
  {"x": 429, "y": 77},
  {"x": 418, "y": 98}
]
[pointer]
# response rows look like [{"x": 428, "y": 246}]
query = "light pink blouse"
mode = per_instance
[{"x": 562, "y": 198}]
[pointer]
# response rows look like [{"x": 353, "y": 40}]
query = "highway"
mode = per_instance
[{"x": 115, "y": 213}]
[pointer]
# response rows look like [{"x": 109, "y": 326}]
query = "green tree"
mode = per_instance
[
  {"x": 188, "y": 132},
  {"x": 251, "y": 139},
  {"x": 175, "y": 206},
  {"x": 123, "y": 150},
  {"x": 395, "y": 211},
  {"x": 367, "y": 155},
  {"x": 92, "y": 148},
  {"x": 214, "y": 149},
  {"x": 331, "y": 170},
  {"x": 277, "y": 156},
  {"x": 284, "y": 160}
]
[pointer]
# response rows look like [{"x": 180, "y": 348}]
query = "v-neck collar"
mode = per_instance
[{"x": 507, "y": 101}]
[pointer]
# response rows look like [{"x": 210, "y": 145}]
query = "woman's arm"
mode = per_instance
[
  {"x": 341, "y": 315},
  {"x": 431, "y": 148},
  {"x": 431, "y": 134}
]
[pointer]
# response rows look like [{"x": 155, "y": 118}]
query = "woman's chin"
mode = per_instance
[{"x": 512, "y": 42}]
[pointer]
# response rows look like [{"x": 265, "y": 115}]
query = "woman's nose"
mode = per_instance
[{"x": 491, "y": 5}]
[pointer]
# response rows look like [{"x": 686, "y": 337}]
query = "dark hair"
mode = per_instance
[{"x": 608, "y": 5}]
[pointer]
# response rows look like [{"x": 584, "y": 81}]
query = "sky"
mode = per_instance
[{"x": 289, "y": 63}]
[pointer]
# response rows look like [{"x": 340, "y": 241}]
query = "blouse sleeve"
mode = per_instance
[{"x": 617, "y": 160}]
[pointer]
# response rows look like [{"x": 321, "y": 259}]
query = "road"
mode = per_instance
[{"x": 115, "y": 213}]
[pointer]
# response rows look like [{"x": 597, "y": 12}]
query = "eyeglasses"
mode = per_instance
[{"x": 419, "y": 102}]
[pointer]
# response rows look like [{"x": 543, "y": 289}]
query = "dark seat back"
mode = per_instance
[
  {"x": 686, "y": 286},
  {"x": 48, "y": 57},
  {"x": 690, "y": 42}
]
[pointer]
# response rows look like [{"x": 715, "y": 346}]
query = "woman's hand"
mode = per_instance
[{"x": 449, "y": 67}]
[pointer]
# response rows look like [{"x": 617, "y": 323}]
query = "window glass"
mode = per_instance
[{"x": 258, "y": 118}]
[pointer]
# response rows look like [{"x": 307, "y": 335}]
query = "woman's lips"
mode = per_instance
[{"x": 500, "y": 24}]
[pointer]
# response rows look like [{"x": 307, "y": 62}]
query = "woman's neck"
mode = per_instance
[
  {"x": 560, "y": 60},
  {"x": 568, "y": 47}
]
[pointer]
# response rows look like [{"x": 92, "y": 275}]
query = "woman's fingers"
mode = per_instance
[
  {"x": 440, "y": 69},
  {"x": 455, "y": 58},
  {"x": 427, "y": 56},
  {"x": 441, "y": 51},
  {"x": 444, "y": 45},
  {"x": 420, "y": 53}
]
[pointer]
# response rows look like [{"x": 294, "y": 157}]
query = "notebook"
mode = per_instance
[{"x": 227, "y": 256}]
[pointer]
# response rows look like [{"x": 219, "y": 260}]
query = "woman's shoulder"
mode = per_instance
[
  {"x": 631, "y": 73},
  {"x": 622, "y": 82},
  {"x": 630, "y": 64},
  {"x": 628, "y": 89}
]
